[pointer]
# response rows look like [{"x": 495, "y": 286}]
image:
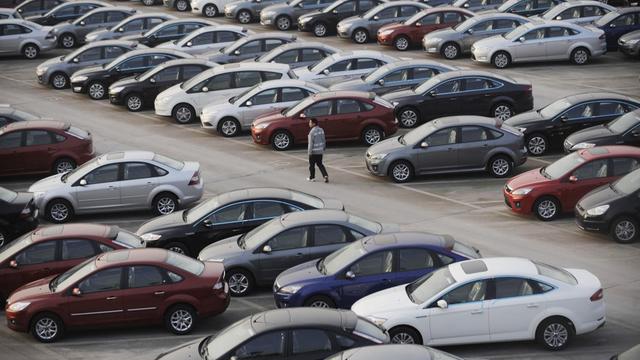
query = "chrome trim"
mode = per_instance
[
  {"x": 142, "y": 309},
  {"x": 98, "y": 312}
]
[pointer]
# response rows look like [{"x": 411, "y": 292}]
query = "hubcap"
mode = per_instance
[
  {"x": 238, "y": 283},
  {"x": 360, "y": 37},
  {"x": 68, "y": 41},
  {"x": 502, "y": 112},
  {"x": 284, "y": 23},
  {"x": 181, "y": 320},
  {"x": 547, "y": 209},
  {"x": 183, "y": 114},
  {"x": 320, "y": 30},
  {"x": 148, "y": 2},
  {"x": 408, "y": 118},
  {"x": 501, "y": 60},
  {"x": 281, "y": 141},
  {"x": 134, "y": 103},
  {"x": 372, "y": 136},
  {"x": 401, "y": 172},
  {"x": 402, "y": 44},
  {"x": 177, "y": 249},
  {"x": 402, "y": 338},
  {"x": 555, "y": 335},
  {"x": 580, "y": 57},
  {"x": 96, "y": 91},
  {"x": 166, "y": 205},
  {"x": 181, "y": 5},
  {"x": 63, "y": 167},
  {"x": 229, "y": 128},
  {"x": 537, "y": 145},
  {"x": 59, "y": 212},
  {"x": 500, "y": 167},
  {"x": 244, "y": 17},
  {"x": 320, "y": 304},
  {"x": 450, "y": 52},
  {"x": 46, "y": 328},
  {"x": 59, "y": 81},
  {"x": 30, "y": 52},
  {"x": 210, "y": 11},
  {"x": 625, "y": 230}
]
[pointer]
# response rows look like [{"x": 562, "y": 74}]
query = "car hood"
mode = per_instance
[
  {"x": 222, "y": 250},
  {"x": 600, "y": 196},
  {"x": 527, "y": 179},
  {"x": 522, "y": 120},
  {"x": 393, "y": 27},
  {"x": 269, "y": 118},
  {"x": 595, "y": 133},
  {"x": 161, "y": 223},
  {"x": 631, "y": 36},
  {"x": 22, "y": 199},
  {"x": 96, "y": 33},
  {"x": 51, "y": 62},
  {"x": 402, "y": 95},
  {"x": 491, "y": 42},
  {"x": 310, "y": 15},
  {"x": 388, "y": 300},
  {"x": 62, "y": 26},
  {"x": 134, "y": 37},
  {"x": 88, "y": 71},
  {"x": 303, "y": 73},
  {"x": 355, "y": 84},
  {"x": 168, "y": 45},
  {"x": 447, "y": 33},
  {"x": 303, "y": 272},
  {"x": 46, "y": 184},
  {"x": 351, "y": 21},
  {"x": 32, "y": 291},
  {"x": 216, "y": 56},
  {"x": 171, "y": 92},
  {"x": 386, "y": 146},
  {"x": 219, "y": 105},
  {"x": 182, "y": 352}
]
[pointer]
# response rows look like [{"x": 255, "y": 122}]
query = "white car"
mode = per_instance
[
  {"x": 580, "y": 12},
  {"x": 184, "y": 101},
  {"x": 490, "y": 300},
  {"x": 208, "y": 8},
  {"x": 208, "y": 38},
  {"x": 343, "y": 66},
  {"x": 230, "y": 116}
]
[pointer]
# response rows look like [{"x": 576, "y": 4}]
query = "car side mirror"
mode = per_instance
[
  {"x": 424, "y": 144},
  {"x": 83, "y": 182},
  {"x": 207, "y": 223},
  {"x": 13, "y": 264},
  {"x": 326, "y": 71},
  {"x": 612, "y": 25},
  {"x": 470, "y": 31},
  {"x": 635, "y": 133},
  {"x": 350, "y": 275},
  {"x": 153, "y": 36},
  {"x": 466, "y": 5},
  {"x": 432, "y": 93},
  {"x": 564, "y": 118},
  {"x": 152, "y": 80},
  {"x": 573, "y": 179},
  {"x": 302, "y": 115},
  {"x": 117, "y": 69},
  {"x": 418, "y": 24},
  {"x": 558, "y": 17},
  {"x": 120, "y": 29},
  {"x": 76, "y": 292},
  {"x": 335, "y": 11},
  {"x": 82, "y": 23},
  {"x": 189, "y": 44},
  {"x": 300, "y": 5},
  {"x": 381, "y": 82},
  {"x": 442, "y": 304},
  {"x": 248, "y": 103},
  {"x": 237, "y": 52},
  {"x": 266, "y": 249},
  {"x": 76, "y": 60},
  {"x": 376, "y": 18},
  {"x": 521, "y": 39},
  {"x": 205, "y": 89}
]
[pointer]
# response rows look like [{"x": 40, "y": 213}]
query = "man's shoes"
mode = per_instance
[
  {"x": 311, "y": 179},
  {"x": 326, "y": 179}
]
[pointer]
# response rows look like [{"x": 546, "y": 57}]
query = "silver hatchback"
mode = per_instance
[
  {"x": 25, "y": 37},
  {"x": 284, "y": 15},
  {"x": 71, "y": 34}
]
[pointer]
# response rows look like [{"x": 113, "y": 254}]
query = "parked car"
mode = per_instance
[
  {"x": 18, "y": 215},
  {"x": 72, "y": 34},
  {"x": 136, "y": 24},
  {"x": 275, "y": 331},
  {"x": 548, "y": 127},
  {"x": 257, "y": 257},
  {"x": 43, "y": 146},
  {"x": 208, "y": 8},
  {"x": 120, "y": 181},
  {"x": 623, "y": 130},
  {"x": 180, "y": 5},
  {"x": 297, "y": 54},
  {"x": 205, "y": 39},
  {"x": 410, "y": 32},
  {"x": 555, "y": 189},
  {"x": 580, "y": 12},
  {"x": 139, "y": 92},
  {"x": 184, "y": 102},
  {"x": 246, "y": 11},
  {"x": 51, "y": 250},
  {"x": 344, "y": 115},
  {"x": 36, "y": 7},
  {"x": 452, "y": 42},
  {"x": 169, "y": 30},
  {"x": 57, "y": 71},
  {"x": 323, "y": 22},
  {"x": 227, "y": 214},
  {"x": 22, "y": 37},
  {"x": 153, "y": 286},
  {"x": 613, "y": 209},
  {"x": 95, "y": 80},
  {"x": 9, "y": 114},
  {"x": 478, "y": 5},
  {"x": 343, "y": 66},
  {"x": 629, "y": 43},
  {"x": 401, "y": 351},
  {"x": 9, "y": 14},
  {"x": 231, "y": 116},
  {"x": 617, "y": 23},
  {"x": 285, "y": 15},
  {"x": 561, "y": 41},
  {"x": 462, "y": 92},
  {"x": 627, "y": 355},
  {"x": 528, "y": 8},
  {"x": 66, "y": 11},
  {"x": 361, "y": 28},
  {"x": 525, "y": 300},
  {"x": 249, "y": 47},
  {"x": 366, "y": 266},
  {"x": 399, "y": 75}
]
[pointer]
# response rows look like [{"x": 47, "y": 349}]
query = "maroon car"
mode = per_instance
[
  {"x": 344, "y": 115},
  {"x": 42, "y": 146},
  {"x": 54, "y": 249},
  {"x": 120, "y": 288}
]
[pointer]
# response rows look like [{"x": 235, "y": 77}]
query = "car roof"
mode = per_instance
[
  {"x": 343, "y": 93},
  {"x": 210, "y": 28},
  {"x": 305, "y": 44},
  {"x": 256, "y": 193},
  {"x": 37, "y": 124},
  {"x": 578, "y": 98},
  {"x": 609, "y": 151},
  {"x": 404, "y": 239},
  {"x": 151, "y": 14},
  {"x": 131, "y": 256},
  {"x": 312, "y": 217},
  {"x": 461, "y": 73},
  {"x": 417, "y": 62},
  {"x": 250, "y": 66},
  {"x": 574, "y": 3},
  {"x": 464, "y": 120},
  {"x": 72, "y": 231},
  {"x": 127, "y": 155},
  {"x": 447, "y": 8},
  {"x": 289, "y": 82},
  {"x": 18, "y": 22},
  {"x": 391, "y": 351},
  {"x": 498, "y": 15},
  {"x": 360, "y": 53},
  {"x": 493, "y": 267},
  {"x": 158, "y": 51},
  {"x": 128, "y": 43},
  {"x": 192, "y": 61},
  {"x": 402, "y": 2},
  {"x": 303, "y": 317},
  {"x": 271, "y": 34},
  {"x": 109, "y": 8}
]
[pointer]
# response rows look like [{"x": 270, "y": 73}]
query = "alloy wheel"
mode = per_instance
[
  {"x": 283, "y": 23},
  {"x": 501, "y": 60},
  {"x": 238, "y": 283},
  {"x": 229, "y": 128},
  {"x": 408, "y": 118},
  {"x": 555, "y": 335},
  {"x": 244, "y": 17},
  {"x": 181, "y": 320},
  {"x": 402, "y": 44},
  {"x": 537, "y": 145},
  {"x": 68, "y": 41},
  {"x": 502, "y": 112},
  {"x": 64, "y": 166},
  {"x": 401, "y": 172},
  {"x": 182, "y": 5},
  {"x": 210, "y": 11},
  {"x": 500, "y": 167},
  {"x": 547, "y": 209},
  {"x": 625, "y": 231},
  {"x": 320, "y": 30},
  {"x": 360, "y": 37},
  {"x": 59, "y": 212},
  {"x": 166, "y": 205},
  {"x": 183, "y": 115},
  {"x": 320, "y": 304},
  {"x": 134, "y": 103},
  {"x": 30, "y": 52},
  {"x": 372, "y": 136},
  {"x": 59, "y": 81},
  {"x": 96, "y": 91},
  {"x": 148, "y": 2},
  {"x": 450, "y": 51},
  {"x": 402, "y": 338},
  {"x": 281, "y": 141},
  {"x": 46, "y": 328},
  {"x": 580, "y": 57}
]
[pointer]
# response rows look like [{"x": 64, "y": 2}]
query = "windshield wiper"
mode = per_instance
[
  {"x": 320, "y": 267},
  {"x": 241, "y": 241}
]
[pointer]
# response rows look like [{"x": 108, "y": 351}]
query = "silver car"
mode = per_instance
[
  {"x": 9, "y": 114},
  {"x": 452, "y": 42},
  {"x": 9, "y": 14},
  {"x": 57, "y": 71},
  {"x": 71, "y": 34},
  {"x": 283, "y": 15},
  {"x": 298, "y": 54},
  {"x": 478, "y": 5},
  {"x": 36, "y": 7},
  {"x": 249, "y": 47},
  {"x": 208, "y": 38},
  {"x": 541, "y": 41},
  {"x": 133, "y": 25},
  {"x": 361, "y": 28},
  {"x": 119, "y": 181},
  {"x": 448, "y": 145},
  {"x": 25, "y": 37},
  {"x": 246, "y": 11},
  {"x": 578, "y": 11}
]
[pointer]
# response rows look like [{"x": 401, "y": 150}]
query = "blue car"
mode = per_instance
[
  {"x": 617, "y": 23},
  {"x": 366, "y": 266}
]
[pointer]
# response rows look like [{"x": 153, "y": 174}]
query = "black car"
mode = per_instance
[
  {"x": 18, "y": 214},
  {"x": 168, "y": 31},
  {"x": 548, "y": 127},
  {"x": 226, "y": 215},
  {"x": 613, "y": 208},
  {"x": 9, "y": 114},
  {"x": 324, "y": 22},
  {"x": 625, "y": 130},
  {"x": 462, "y": 92},
  {"x": 96, "y": 80},
  {"x": 66, "y": 12},
  {"x": 36, "y": 7},
  {"x": 140, "y": 91}
]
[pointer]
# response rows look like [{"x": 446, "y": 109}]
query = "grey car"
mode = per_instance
[
  {"x": 133, "y": 25},
  {"x": 25, "y": 37},
  {"x": 246, "y": 11},
  {"x": 452, "y": 42},
  {"x": 9, "y": 14},
  {"x": 9, "y": 114},
  {"x": 283, "y": 15},
  {"x": 36, "y": 7},
  {"x": 249, "y": 47},
  {"x": 478, "y": 5},
  {"x": 394, "y": 76},
  {"x": 256, "y": 258},
  {"x": 119, "y": 181},
  {"x": 57, "y": 71},
  {"x": 362, "y": 28},
  {"x": 629, "y": 43},
  {"x": 71, "y": 34},
  {"x": 393, "y": 351},
  {"x": 449, "y": 145},
  {"x": 298, "y": 54}
]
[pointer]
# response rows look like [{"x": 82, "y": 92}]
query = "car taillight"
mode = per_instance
[
  {"x": 195, "y": 179},
  {"x": 598, "y": 295}
]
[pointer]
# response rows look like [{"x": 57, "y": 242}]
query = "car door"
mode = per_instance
[
  {"x": 39, "y": 149},
  {"x": 385, "y": 16},
  {"x": 138, "y": 180},
  {"x": 147, "y": 289},
  {"x": 270, "y": 345},
  {"x": 100, "y": 301},
  {"x": 73, "y": 251},
  {"x": 441, "y": 152},
  {"x": 33, "y": 263},
  {"x": 199, "y": 43},
  {"x": 531, "y": 46},
  {"x": 309, "y": 56},
  {"x": 573, "y": 119},
  {"x": 442, "y": 100},
  {"x": 338, "y": 71},
  {"x": 225, "y": 222},
  {"x": 322, "y": 111},
  {"x": 479, "y": 31},
  {"x": 11, "y": 37},
  {"x": 502, "y": 26},
  {"x": 132, "y": 66},
  {"x": 65, "y": 13},
  {"x": 102, "y": 189},
  {"x": 345, "y": 122},
  {"x": 632, "y": 136},
  {"x": 418, "y": 75},
  {"x": 558, "y": 39},
  {"x": 288, "y": 249},
  {"x": 605, "y": 112},
  {"x": 477, "y": 96},
  {"x": 90, "y": 23},
  {"x": 90, "y": 57},
  {"x": 620, "y": 26},
  {"x": 113, "y": 18},
  {"x": 449, "y": 19},
  {"x": 289, "y": 96},
  {"x": 587, "y": 177},
  {"x": 218, "y": 85},
  {"x": 262, "y": 211},
  {"x": 424, "y": 26},
  {"x": 160, "y": 82},
  {"x": 344, "y": 11},
  {"x": 475, "y": 145},
  {"x": 371, "y": 273},
  {"x": 12, "y": 153},
  {"x": 261, "y": 103},
  {"x": 590, "y": 13},
  {"x": 412, "y": 263},
  {"x": 364, "y": 66},
  {"x": 223, "y": 39},
  {"x": 394, "y": 80},
  {"x": 111, "y": 52},
  {"x": 166, "y": 33},
  {"x": 134, "y": 26},
  {"x": 328, "y": 238},
  {"x": 310, "y": 344}
]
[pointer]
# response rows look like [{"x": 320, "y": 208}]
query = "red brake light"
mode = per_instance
[
  {"x": 598, "y": 295},
  {"x": 195, "y": 179}
]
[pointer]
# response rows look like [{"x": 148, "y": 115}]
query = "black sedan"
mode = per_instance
[
  {"x": 226, "y": 215},
  {"x": 613, "y": 208},
  {"x": 18, "y": 214},
  {"x": 462, "y": 92},
  {"x": 324, "y": 22},
  {"x": 548, "y": 127},
  {"x": 625, "y": 130},
  {"x": 168, "y": 31}
]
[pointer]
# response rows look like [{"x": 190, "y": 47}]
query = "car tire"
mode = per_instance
[
  {"x": 360, "y": 36},
  {"x": 180, "y": 319},
  {"x": 537, "y": 144},
  {"x": 372, "y": 135},
  {"x": 67, "y": 41},
  {"x": 30, "y": 51},
  {"x": 281, "y": 140},
  {"x": 625, "y": 230},
  {"x": 4, "y": 239},
  {"x": 502, "y": 111},
  {"x": 178, "y": 247},
  {"x": 501, "y": 60},
  {"x": 401, "y": 171},
  {"x": 97, "y": 90},
  {"x": 450, "y": 51},
  {"x": 500, "y": 166},
  {"x": 182, "y": 5},
  {"x": 283, "y": 23},
  {"x": 409, "y": 117},
  {"x": 404, "y": 335},
  {"x": 547, "y": 208},
  {"x": 244, "y": 17},
  {"x": 59, "y": 211},
  {"x": 63, "y": 165},
  {"x": 210, "y": 11},
  {"x": 229, "y": 127},
  {"x": 401, "y": 43},
  {"x": 165, "y": 203},
  {"x": 183, "y": 114},
  {"x": 46, "y": 328},
  {"x": 134, "y": 102},
  {"x": 580, "y": 56},
  {"x": 149, "y": 2},
  {"x": 320, "y": 302},
  {"x": 240, "y": 282},
  {"x": 59, "y": 81},
  {"x": 555, "y": 333},
  {"x": 320, "y": 29}
]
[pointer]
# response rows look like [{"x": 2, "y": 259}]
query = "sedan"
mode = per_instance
[
  {"x": 581, "y": 12},
  {"x": 528, "y": 8},
  {"x": 208, "y": 38},
  {"x": 541, "y": 41},
  {"x": 228, "y": 214},
  {"x": 547, "y": 128},
  {"x": 490, "y": 300},
  {"x": 246, "y": 11},
  {"x": 120, "y": 181},
  {"x": 22, "y": 37},
  {"x": 257, "y": 257},
  {"x": 9, "y": 114},
  {"x": 67, "y": 11},
  {"x": 617, "y": 23},
  {"x": 249, "y": 47},
  {"x": 391, "y": 351},
  {"x": 36, "y": 7},
  {"x": 149, "y": 286},
  {"x": 298, "y": 54},
  {"x": 72, "y": 34},
  {"x": 323, "y": 22},
  {"x": 18, "y": 215},
  {"x": 478, "y": 5},
  {"x": 629, "y": 43},
  {"x": 169, "y": 30},
  {"x": 555, "y": 189},
  {"x": 366, "y": 266},
  {"x": 623, "y": 130},
  {"x": 285, "y": 15},
  {"x": 133, "y": 25}
]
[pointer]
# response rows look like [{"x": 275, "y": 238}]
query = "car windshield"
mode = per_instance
[
  {"x": 233, "y": 99},
  {"x": 72, "y": 55},
  {"x": 555, "y": 273},
  {"x": 554, "y": 108},
  {"x": 628, "y": 184},
  {"x": 339, "y": 259},
  {"x": 428, "y": 286},
  {"x": 262, "y": 233},
  {"x": 624, "y": 122},
  {"x": 325, "y": 63},
  {"x": 217, "y": 345},
  {"x": 266, "y": 56},
  {"x": 7, "y": 195},
  {"x": 149, "y": 73},
  {"x": 117, "y": 60},
  {"x": 373, "y": 11},
  {"x": 122, "y": 23},
  {"x": 418, "y": 134},
  {"x": 562, "y": 166},
  {"x": 180, "y": 261},
  {"x": 333, "y": 6},
  {"x": 426, "y": 85},
  {"x": 369, "y": 225},
  {"x": 73, "y": 275},
  {"x": 378, "y": 73},
  {"x": 75, "y": 174},
  {"x": 606, "y": 19},
  {"x": 515, "y": 33},
  {"x": 128, "y": 239},
  {"x": 201, "y": 210},
  {"x": 302, "y": 104},
  {"x": 15, "y": 246}
]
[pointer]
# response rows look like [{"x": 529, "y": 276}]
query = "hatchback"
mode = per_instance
[
  {"x": 285, "y": 15},
  {"x": 67, "y": 11},
  {"x": 18, "y": 214},
  {"x": 9, "y": 114},
  {"x": 391, "y": 351},
  {"x": 246, "y": 11},
  {"x": 528, "y": 8},
  {"x": 72, "y": 34},
  {"x": 169, "y": 30},
  {"x": 549, "y": 191},
  {"x": 323, "y": 22},
  {"x": 298, "y": 54},
  {"x": 629, "y": 43},
  {"x": 133, "y": 25},
  {"x": 36, "y": 7},
  {"x": 578, "y": 11},
  {"x": 623, "y": 130},
  {"x": 137, "y": 287},
  {"x": 208, "y": 38},
  {"x": 21, "y": 37},
  {"x": 617, "y": 23},
  {"x": 249, "y": 47}
]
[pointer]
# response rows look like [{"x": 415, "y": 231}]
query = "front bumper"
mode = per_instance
[
  {"x": 304, "y": 26},
  {"x": 231, "y": 14},
  {"x": 79, "y": 87},
  {"x": 344, "y": 33},
  {"x": 115, "y": 99},
  {"x": 162, "y": 109},
  {"x": 629, "y": 49},
  {"x": 17, "y": 321},
  {"x": 259, "y": 136},
  {"x": 385, "y": 39},
  {"x": 283, "y": 300},
  {"x": 517, "y": 203},
  {"x": 480, "y": 56},
  {"x": 209, "y": 122},
  {"x": 590, "y": 223},
  {"x": 378, "y": 168}
]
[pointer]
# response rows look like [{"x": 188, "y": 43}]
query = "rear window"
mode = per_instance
[
  {"x": 172, "y": 163},
  {"x": 79, "y": 133},
  {"x": 465, "y": 250},
  {"x": 7, "y": 195},
  {"x": 185, "y": 263},
  {"x": 307, "y": 199},
  {"x": 374, "y": 227},
  {"x": 555, "y": 273},
  {"x": 128, "y": 240}
]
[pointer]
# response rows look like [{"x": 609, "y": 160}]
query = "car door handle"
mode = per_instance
[
  {"x": 111, "y": 298},
  {"x": 299, "y": 254},
  {"x": 158, "y": 293},
  {"x": 476, "y": 312},
  {"x": 532, "y": 306}
]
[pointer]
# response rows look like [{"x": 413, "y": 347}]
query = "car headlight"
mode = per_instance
[
  {"x": 116, "y": 90},
  {"x": 395, "y": 103},
  {"x": 303, "y": 20},
  {"x": 261, "y": 126},
  {"x": 376, "y": 320},
  {"x": 522, "y": 129},
  {"x": 378, "y": 157},
  {"x": 522, "y": 191},
  {"x": 633, "y": 42},
  {"x": 19, "y": 306},
  {"x": 79, "y": 78},
  {"x": 212, "y": 260},
  {"x": 432, "y": 40},
  {"x": 291, "y": 289},
  {"x": 150, "y": 237},
  {"x": 162, "y": 100},
  {"x": 582, "y": 145},
  {"x": 598, "y": 211},
  {"x": 41, "y": 70},
  {"x": 385, "y": 32}
]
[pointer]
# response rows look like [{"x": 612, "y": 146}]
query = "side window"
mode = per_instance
[
  {"x": 406, "y": 11},
  {"x": 105, "y": 280},
  {"x": 269, "y": 75},
  {"x": 343, "y": 65},
  {"x": 415, "y": 259},
  {"x": 160, "y": 171},
  {"x": 471, "y": 84},
  {"x": 38, "y": 137},
  {"x": 219, "y": 82},
  {"x": 292, "y": 94},
  {"x": 592, "y": 170},
  {"x": 66, "y": 11},
  {"x": 94, "y": 19},
  {"x": 11, "y": 29},
  {"x": 472, "y": 134},
  {"x": 134, "y": 25},
  {"x": 623, "y": 166},
  {"x": 344, "y": 342},
  {"x": 388, "y": 13},
  {"x": 512, "y": 287},
  {"x": 483, "y": 26},
  {"x": 265, "y": 97},
  {"x": 544, "y": 4},
  {"x": 368, "y": 64},
  {"x": 452, "y": 17},
  {"x": 366, "y": 106},
  {"x": 271, "y": 44},
  {"x": 187, "y": 28},
  {"x": 152, "y": 22},
  {"x": 202, "y": 39},
  {"x": 171, "y": 30},
  {"x": 356, "y": 235},
  {"x": 322, "y": 108},
  {"x": 168, "y": 74},
  {"x": 444, "y": 259},
  {"x": 610, "y": 108},
  {"x": 247, "y": 78},
  {"x": 116, "y": 16},
  {"x": 159, "y": 59},
  {"x": 312, "y": 55},
  {"x": 77, "y": 249},
  {"x": 555, "y": 31},
  {"x": 190, "y": 71},
  {"x": 592, "y": 11},
  {"x": 310, "y": 342},
  {"x": 452, "y": 86},
  {"x": 144, "y": 276},
  {"x": 104, "y": 248},
  {"x": 349, "y": 6},
  {"x": 290, "y": 239},
  {"x": 133, "y": 171},
  {"x": 328, "y": 234},
  {"x": 624, "y": 20},
  {"x": 542, "y": 287},
  {"x": 347, "y": 106},
  {"x": 580, "y": 111},
  {"x": 11, "y": 140},
  {"x": 366, "y": 5},
  {"x": 269, "y": 345},
  {"x": 112, "y": 52},
  {"x": 442, "y": 137},
  {"x": 505, "y": 24},
  {"x": 137, "y": 62},
  {"x": 175, "y": 278},
  {"x": 252, "y": 47},
  {"x": 232, "y": 213},
  {"x": 104, "y": 174},
  {"x": 569, "y": 14},
  {"x": 534, "y": 35},
  {"x": 226, "y": 36},
  {"x": 376, "y": 263},
  {"x": 423, "y": 73},
  {"x": 92, "y": 54},
  {"x": 37, "y": 254},
  {"x": 267, "y": 209},
  {"x": 430, "y": 19},
  {"x": 474, "y": 291},
  {"x": 287, "y": 57}
]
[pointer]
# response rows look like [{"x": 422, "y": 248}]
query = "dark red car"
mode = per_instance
[
  {"x": 558, "y": 187},
  {"x": 410, "y": 32},
  {"x": 32, "y": 147},
  {"x": 119, "y": 288},
  {"x": 54, "y": 249},
  {"x": 344, "y": 115}
]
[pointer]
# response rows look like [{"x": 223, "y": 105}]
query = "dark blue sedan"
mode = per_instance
[
  {"x": 366, "y": 266},
  {"x": 617, "y": 23}
]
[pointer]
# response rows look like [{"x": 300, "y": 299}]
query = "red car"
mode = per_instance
[
  {"x": 123, "y": 287},
  {"x": 344, "y": 115},
  {"x": 54, "y": 249},
  {"x": 410, "y": 32},
  {"x": 556, "y": 188},
  {"x": 32, "y": 147}
]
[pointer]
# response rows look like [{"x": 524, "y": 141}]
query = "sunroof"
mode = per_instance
[{"x": 472, "y": 267}]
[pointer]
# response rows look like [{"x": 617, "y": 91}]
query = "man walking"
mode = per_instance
[{"x": 317, "y": 146}]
